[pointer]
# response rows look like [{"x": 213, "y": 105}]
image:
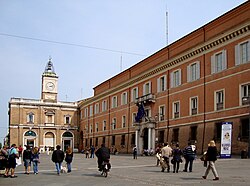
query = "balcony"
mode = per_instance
[{"x": 148, "y": 98}]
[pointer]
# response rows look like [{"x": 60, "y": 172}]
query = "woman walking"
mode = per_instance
[
  {"x": 35, "y": 159},
  {"x": 177, "y": 153},
  {"x": 211, "y": 157},
  {"x": 69, "y": 158}
]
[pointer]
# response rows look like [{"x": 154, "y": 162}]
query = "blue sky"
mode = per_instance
[{"x": 89, "y": 41}]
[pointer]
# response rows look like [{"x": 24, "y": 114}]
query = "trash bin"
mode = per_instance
[{"x": 243, "y": 154}]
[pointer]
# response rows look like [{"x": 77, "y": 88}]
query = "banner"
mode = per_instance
[{"x": 226, "y": 139}]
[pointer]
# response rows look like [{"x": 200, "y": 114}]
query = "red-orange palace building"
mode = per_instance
[{"x": 188, "y": 89}]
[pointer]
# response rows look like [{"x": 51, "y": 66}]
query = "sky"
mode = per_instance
[{"x": 89, "y": 41}]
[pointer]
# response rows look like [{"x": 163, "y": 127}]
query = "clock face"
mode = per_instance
[{"x": 50, "y": 86}]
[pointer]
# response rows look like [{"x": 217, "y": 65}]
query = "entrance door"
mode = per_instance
[
  {"x": 145, "y": 138},
  {"x": 30, "y": 142},
  {"x": 66, "y": 144}
]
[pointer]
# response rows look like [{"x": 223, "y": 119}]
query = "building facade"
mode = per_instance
[
  {"x": 188, "y": 89},
  {"x": 46, "y": 122}
]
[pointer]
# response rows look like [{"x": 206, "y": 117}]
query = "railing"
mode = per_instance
[
  {"x": 219, "y": 106},
  {"x": 194, "y": 111},
  {"x": 146, "y": 98},
  {"x": 245, "y": 100}
]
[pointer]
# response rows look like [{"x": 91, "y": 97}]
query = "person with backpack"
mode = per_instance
[
  {"x": 135, "y": 152},
  {"x": 35, "y": 159},
  {"x": 11, "y": 165}
]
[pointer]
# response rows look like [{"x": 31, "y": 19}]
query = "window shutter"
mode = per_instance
[
  {"x": 165, "y": 82},
  {"x": 224, "y": 61},
  {"x": 237, "y": 55},
  {"x": 212, "y": 64},
  {"x": 144, "y": 89},
  {"x": 188, "y": 73},
  {"x": 149, "y": 87},
  {"x": 172, "y": 79},
  {"x": 198, "y": 70},
  {"x": 158, "y": 84},
  {"x": 248, "y": 50},
  {"x": 179, "y": 77}
]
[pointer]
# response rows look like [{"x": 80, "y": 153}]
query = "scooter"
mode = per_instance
[{"x": 105, "y": 168}]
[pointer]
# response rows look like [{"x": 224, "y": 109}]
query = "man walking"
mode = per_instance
[
  {"x": 189, "y": 154},
  {"x": 57, "y": 158},
  {"x": 166, "y": 152}
]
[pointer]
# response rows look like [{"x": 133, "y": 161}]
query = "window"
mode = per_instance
[
  {"x": 193, "y": 71},
  {"x": 104, "y": 125},
  {"x": 245, "y": 94},
  {"x": 123, "y": 121},
  {"x": 176, "y": 110},
  {"x": 91, "y": 128},
  {"x": 96, "y": 127},
  {"x": 133, "y": 117},
  {"x": 96, "y": 108},
  {"x": 86, "y": 112},
  {"x": 176, "y": 78},
  {"x": 91, "y": 110},
  {"x": 124, "y": 98},
  {"x": 161, "y": 113},
  {"x": 114, "y": 123},
  {"x": 30, "y": 117},
  {"x": 104, "y": 105},
  {"x": 123, "y": 140},
  {"x": 242, "y": 53},
  {"x": 162, "y": 83},
  {"x": 96, "y": 142},
  {"x": 114, "y": 102},
  {"x": 219, "y": 61},
  {"x": 193, "y": 106},
  {"x": 175, "y": 137},
  {"x": 244, "y": 128},
  {"x": 147, "y": 88},
  {"x": 193, "y": 133},
  {"x": 217, "y": 131},
  {"x": 67, "y": 119},
  {"x": 134, "y": 94},
  {"x": 113, "y": 140},
  {"x": 132, "y": 142},
  {"x": 219, "y": 100}
]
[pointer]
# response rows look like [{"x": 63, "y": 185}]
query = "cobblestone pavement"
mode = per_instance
[{"x": 127, "y": 171}]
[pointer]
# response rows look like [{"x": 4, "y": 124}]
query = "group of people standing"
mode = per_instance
[{"x": 189, "y": 155}]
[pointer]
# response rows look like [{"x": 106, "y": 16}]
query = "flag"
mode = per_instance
[{"x": 140, "y": 113}]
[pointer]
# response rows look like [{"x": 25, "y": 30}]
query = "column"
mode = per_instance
[
  {"x": 136, "y": 139},
  {"x": 149, "y": 138}
]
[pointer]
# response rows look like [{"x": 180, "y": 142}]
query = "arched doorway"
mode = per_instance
[
  {"x": 67, "y": 140},
  {"x": 30, "y": 138},
  {"x": 49, "y": 140}
]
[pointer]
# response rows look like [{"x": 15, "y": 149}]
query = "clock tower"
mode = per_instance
[{"x": 49, "y": 83}]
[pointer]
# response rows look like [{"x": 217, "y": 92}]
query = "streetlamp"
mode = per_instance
[{"x": 246, "y": 100}]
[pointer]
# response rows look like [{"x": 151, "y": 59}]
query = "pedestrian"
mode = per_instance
[
  {"x": 3, "y": 157},
  {"x": 135, "y": 152},
  {"x": 11, "y": 165},
  {"x": 57, "y": 158},
  {"x": 87, "y": 152},
  {"x": 27, "y": 159},
  {"x": 166, "y": 153},
  {"x": 157, "y": 152},
  {"x": 69, "y": 158},
  {"x": 211, "y": 157},
  {"x": 92, "y": 151},
  {"x": 35, "y": 159},
  {"x": 177, "y": 153},
  {"x": 189, "y": 154},
  {"x": 20, "y": 150}
]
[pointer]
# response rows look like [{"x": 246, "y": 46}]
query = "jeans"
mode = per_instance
[
  {"x": 190, "y": 162},
  {"x": 35, "y": 166},
  {"x": 58, "y": 167},
  {"x": 69, "y": 167}
]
